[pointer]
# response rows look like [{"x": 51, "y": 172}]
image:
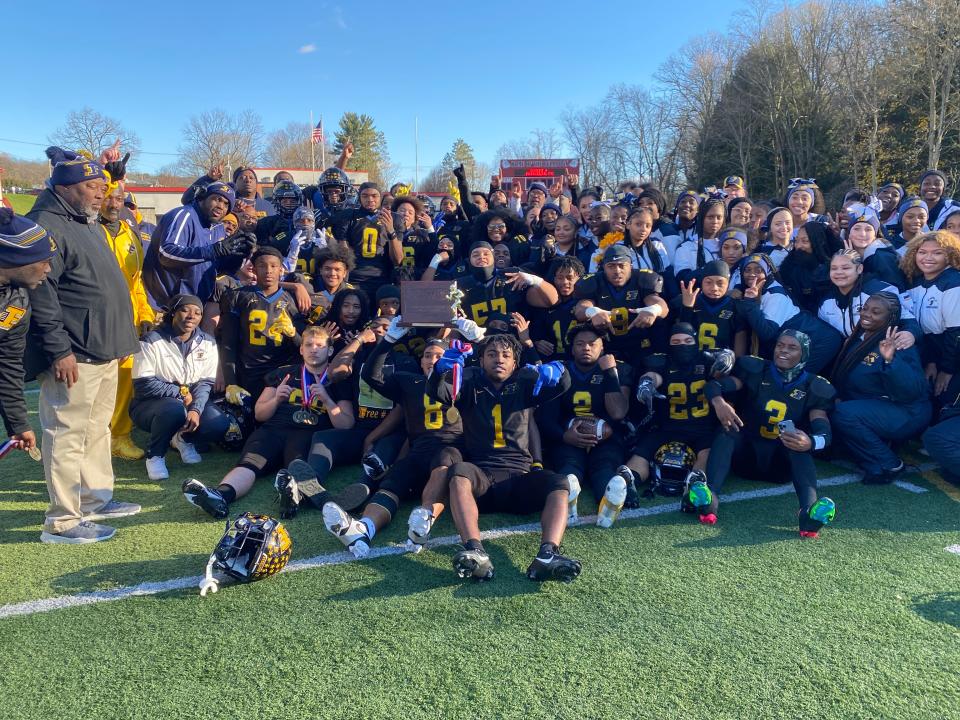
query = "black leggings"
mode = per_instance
[
  {"x": 758, "y": 459},
  {"x": 345, "y": 447}
]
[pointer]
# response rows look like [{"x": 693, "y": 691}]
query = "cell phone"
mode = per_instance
[{"x": 786, "y": 426}]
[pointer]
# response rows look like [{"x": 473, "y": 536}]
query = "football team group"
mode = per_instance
[{"x": 625, "y": 347}]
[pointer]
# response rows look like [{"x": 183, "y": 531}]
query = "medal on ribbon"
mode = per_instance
[{"x": 306, "y": 416}]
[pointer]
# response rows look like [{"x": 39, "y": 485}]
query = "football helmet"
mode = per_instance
[
  {"x": 671, "y": 465},
  {"x": 286, "y": 190},
  {"x": 253, "y": 548},
  {"x": 334, "y": 185},
  {"x": 241, "y": 422},
  {"x": 428, "y": 204}
]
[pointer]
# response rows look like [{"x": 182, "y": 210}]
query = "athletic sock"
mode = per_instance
[
  {"x": 548, "y": 548},
  {"x": 228, "y": 493},
  {"x": 371, "y": 528},
  {"x": 474, "y": 545}
]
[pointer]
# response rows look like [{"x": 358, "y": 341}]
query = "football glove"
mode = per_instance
[
  {"x": 469, "y": 329},
  {"x": 395, "y": 331},
  {"x": 723, "y": 361},
  {"x": 281, "y": 327},
  {"x": 456, "y": 354},
  {"x": 236, "y": 395},
  {"x": 239, "y": 244},
  {"x": 646, "y": 392},
  {"x": 548, "y": 374}
]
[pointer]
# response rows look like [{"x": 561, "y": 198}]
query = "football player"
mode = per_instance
[
  {"x": 682, "y": 375},
  {"x": 259, "y": 334},
  {"x": 295, "y": 402},
  {"x": 494, "y": 402},
  {"x": 434, "y": 437},
  {"x": 783, "y": 420},
  {"x": 608, "y": 299},
  {"x": 582, "y": 425},
  {"x": 550, "y": 326},
  {"x": 486, "y": 290},
  {"x": 333, "y": 264},
  {"x": 370, "y": 233},
  {"x": 716, "y": 317}
]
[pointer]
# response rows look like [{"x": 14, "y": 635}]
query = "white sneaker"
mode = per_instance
[
  {"x": 188, "y": 453},
  {"x": 419, "y": 525},
  {"x": 612, "y": 502},
  {"x": 157, "y": 468},
  {"x": 573, "y": 487},
  {"x": 350, "y": 531}
]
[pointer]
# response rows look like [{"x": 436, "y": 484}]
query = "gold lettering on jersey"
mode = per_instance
[
  {"x": 11, "y": 316},
  {"x": 632, "y": 294},
  {"x": 596, "y": 379},
  {"x": 871, "y": 358}
]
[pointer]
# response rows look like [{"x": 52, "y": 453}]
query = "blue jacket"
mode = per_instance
[
  {"x": 901, "y": 381},
  {"x": 180, "y": 256}
]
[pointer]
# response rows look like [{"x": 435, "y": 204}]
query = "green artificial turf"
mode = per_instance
[{"x": 670, "y": 619}]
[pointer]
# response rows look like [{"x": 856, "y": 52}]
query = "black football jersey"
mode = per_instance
[
  {"x": 771, "y": 400},
  {"x": 686, "y": 405},
  {"x": 717, "y": 324},
  {"x": 553, "y": 324},
  {"x": 368, "y": 240},
  {"x": 283, "y": 417},
  {"x": 496, "y": 422},
  {"x": 480, "y": 299},
  {"x": 258, "y": 347},
  {"x": 426, "y": 419},
  {"x": 619, "y": 301},
  {"x": 585, "y": 397}
]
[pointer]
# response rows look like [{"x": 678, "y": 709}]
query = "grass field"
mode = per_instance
[
  {"x": 669, "y": 619},
  {"x": 21, "y": 204}
]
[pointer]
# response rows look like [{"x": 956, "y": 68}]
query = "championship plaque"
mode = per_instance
[{"x": 429, "y": 303}]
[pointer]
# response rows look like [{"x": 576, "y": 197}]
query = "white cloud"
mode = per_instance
[{"x": 307, "y": 49}]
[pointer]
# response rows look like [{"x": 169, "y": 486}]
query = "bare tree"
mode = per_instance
[
  {"x": 542, "y": 143},
  {"x": 216, "y": 136},
  {"x": 88, "y": 130},
  {"x": 591, "y": 135},
  {"x": 291, "y": 147}
]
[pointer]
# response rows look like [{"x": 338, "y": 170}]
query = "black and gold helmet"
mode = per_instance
[
  {"x": 671, "y": 465},
  {"x": 253, "y": 548}
]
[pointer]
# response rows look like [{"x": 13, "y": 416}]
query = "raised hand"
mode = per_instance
[{"x": 689, "y": 293}]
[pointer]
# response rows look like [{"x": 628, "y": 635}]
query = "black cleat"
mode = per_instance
[
  {"x": 289, "y": 492},
  {"x": 633, "y": 497},
  {"x": 549, "y": 565},
  {"x": 207, "y": 499},
  {"x": 352, "y": 496},
  {"x": 473, "y": 563}
]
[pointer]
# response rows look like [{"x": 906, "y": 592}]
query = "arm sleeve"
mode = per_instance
[
  {"x": 13, "y": 406},
  {"x": 229, "y": 328},
  {"x": 376, "y": 374},
  {"x": 46, "y": 321},
  {"x": 154, "y": 387},
  {"x": 440, "y": 387},
  {"x": 466, "y": 203},
  {"x": 550, "y": 421}
]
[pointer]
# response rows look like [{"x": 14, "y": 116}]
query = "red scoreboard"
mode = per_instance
[{"x": 544, "y": 170}]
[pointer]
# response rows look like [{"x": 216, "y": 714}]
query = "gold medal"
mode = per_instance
[
  {"x": 453, "y": 415},
  {"x": 34, "y": 453}
]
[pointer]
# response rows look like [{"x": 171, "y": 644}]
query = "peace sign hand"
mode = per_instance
[
  {"x": 751, "y": 292},
  {"x": 888, "y": 346}
]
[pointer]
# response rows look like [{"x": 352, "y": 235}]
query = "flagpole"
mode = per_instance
[
  {"x": 416, "y": 150},
  {"x": 313, "y": 154},
  {"x": 323, "y": 145}
]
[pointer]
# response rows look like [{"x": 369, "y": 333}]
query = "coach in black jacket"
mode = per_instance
[{"x": 82, "y": 323}]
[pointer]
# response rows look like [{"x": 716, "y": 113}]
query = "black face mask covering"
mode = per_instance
[
  {"x": 684, "y": 355},
  {"x": 482, "y": 274}
]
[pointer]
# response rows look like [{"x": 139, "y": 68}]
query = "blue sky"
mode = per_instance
[{"x": 488, "y": 72}]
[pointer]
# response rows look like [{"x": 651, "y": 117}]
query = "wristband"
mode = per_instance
[
  {"x": 591, "y": 311},
  {"x": 532, "y": 280},
  {"x": 819, "y": 442},
  {"x": 654, "y": 310},
  {"x": 435, "y": 261},
  {"x": 713, "y": 390},
  {"x": 611, "y": 381}
]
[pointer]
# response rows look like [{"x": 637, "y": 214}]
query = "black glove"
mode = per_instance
[
  {"x": 117, "y": 168},
  {"x": 239, "y": 244},
  {"x": 459, "y": 173},
  {"x": 646, "y": 392},
  {"x": 723, "y": 361}
]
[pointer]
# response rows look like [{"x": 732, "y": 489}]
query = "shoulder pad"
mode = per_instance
[
  {"x": 751, "y": 364},
  {"x": 586, "y": 287},
  {"x": 822, "y": 388},
  {"x": 655, "y": 361},
  {"x": 649, "y": 281}
]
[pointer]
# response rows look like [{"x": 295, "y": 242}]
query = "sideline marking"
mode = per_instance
[
  {"x": 910, "y": 487},
  {"x": 955, "y": 549},
  {"x": 949, "y": 489},
  {"x": 61, "y": 602}
]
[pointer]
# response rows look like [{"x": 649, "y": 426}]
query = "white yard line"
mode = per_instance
[
  {"x": 910, "y": 487},
  {"x": 955, "y": 549},
  {"x": 339, "y": 558}
]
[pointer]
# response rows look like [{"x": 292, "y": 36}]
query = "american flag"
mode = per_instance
[{"x": 317, "y": 136}]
